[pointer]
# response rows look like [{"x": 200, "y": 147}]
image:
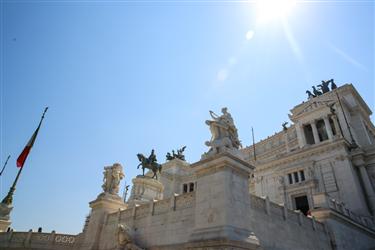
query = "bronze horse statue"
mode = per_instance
[{"x": 149, "y": 163}]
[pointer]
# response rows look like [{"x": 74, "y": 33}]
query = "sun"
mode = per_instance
[{"x": 268, "y": 10}]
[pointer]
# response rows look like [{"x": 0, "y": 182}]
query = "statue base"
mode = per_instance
[
  {"x": 5, "y": 216},
  {"x": 144, "y": 190}
]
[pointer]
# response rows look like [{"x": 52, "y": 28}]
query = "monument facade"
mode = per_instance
[{"x": 309, "y": 186}]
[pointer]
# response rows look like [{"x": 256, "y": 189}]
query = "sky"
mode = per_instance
[{"x": 125, "y": 77}]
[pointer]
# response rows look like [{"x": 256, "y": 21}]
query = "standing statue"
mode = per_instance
[
  {"x": 310, "y": 95},
  {"x": 149, "y": 163},
  {"x": 324, "y": 86},
  {"x": 316, "y": 92},
  {"x": 180, "y": 154},
  {"x": 224, "y": 132},
  {"x": 112, "y": 177}
]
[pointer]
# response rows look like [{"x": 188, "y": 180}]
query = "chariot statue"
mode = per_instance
[
  {"x": 149, "y": 163},
  {"x": 223, "y": 131},
  {"x": 180, "y": 154},
  {"x": 112, "y": 177}
]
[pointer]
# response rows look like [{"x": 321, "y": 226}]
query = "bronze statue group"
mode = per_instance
[{"x": 322, "y": 88}]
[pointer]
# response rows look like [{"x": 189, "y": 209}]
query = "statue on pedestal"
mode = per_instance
[
  {"x": 180, "y": 154},
  {"x": 112, "y": 177},
  {"x": 224, "y": 132},
  {"x": 149, "y": 163}
]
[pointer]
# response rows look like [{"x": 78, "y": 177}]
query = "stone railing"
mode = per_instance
[
  {"x": 322, "y": 200},
  {"x": 31, "y": 239},
  {"x": 281, "y": 212}
]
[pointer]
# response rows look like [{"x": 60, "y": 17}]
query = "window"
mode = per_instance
[
  {"x": 290, "y": 178},
  {"x": 307, "y": 129},
  {"x": 185, "y": 188},
  {"x": 188, "y": 187},
  {"x": 302, "y": 174},
  {"x": 296, "y": 179},
  {"x": 191, "y": 187}
]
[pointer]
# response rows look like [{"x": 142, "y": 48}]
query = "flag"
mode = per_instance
[{"x": 22, "y": 157}]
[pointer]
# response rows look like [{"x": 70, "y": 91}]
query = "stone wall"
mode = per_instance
[
  {"x": 170, "y": 222},
  {"x": 280, "y": 228},
  {"x": 160, "y": 223}
]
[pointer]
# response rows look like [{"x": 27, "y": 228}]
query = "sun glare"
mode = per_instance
[{"x": 272, "y": 9}]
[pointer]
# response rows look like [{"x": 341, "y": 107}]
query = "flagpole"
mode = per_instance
[
  {"x": 9, "y": 198},
  {"x": 255, "y": 156},
  {"x": 2, "y": 170}
]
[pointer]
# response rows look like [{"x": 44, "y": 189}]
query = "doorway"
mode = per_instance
[{"x": 302, "y": 204}]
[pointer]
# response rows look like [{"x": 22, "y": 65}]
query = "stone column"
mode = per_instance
[
  {"x": 337, "y": 126},
  {"x": 300, "y": 135},
  {"x": 315, "y": 132},
  {"x": 328, "y": 127},
  {"x": 370, "y": 194},
  {"x": 222, "y": 210}
]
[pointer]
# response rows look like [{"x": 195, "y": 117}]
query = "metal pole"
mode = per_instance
[
  {"x": 9, "y": 198},
  {"x": 2, "y": 170},
  {"x": 255, "y": 156}
]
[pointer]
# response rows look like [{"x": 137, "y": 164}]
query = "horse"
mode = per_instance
[
  {"x": 311, "y": 95},
  {"x": 153, "y": 166},
  {"x": 324, "y": 86}
]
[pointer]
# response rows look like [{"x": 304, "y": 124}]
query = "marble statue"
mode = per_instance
[
  {"x": 112, "y": 177},
  {"x": 223, "y": 131},
  {"x": 124, "y": 238},
  {"x": 149, "y": 163}
]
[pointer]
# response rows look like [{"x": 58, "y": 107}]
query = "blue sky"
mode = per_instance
[{"x": 123, "y": 77}]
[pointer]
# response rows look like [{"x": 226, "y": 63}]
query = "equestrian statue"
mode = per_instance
[{"x": 149, "y": 163}]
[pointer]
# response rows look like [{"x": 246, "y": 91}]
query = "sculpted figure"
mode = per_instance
[
  {"x": 310, "y": 95},
  {"x": 149, "y": 163},
  {"x": 333, "y": 85},
  {"x": 124, "y": 238},
  {"x": 180, "y": 154},
  {"x": 224, "y": 132},
  {"x": 316, "y": 92},
  {"x": 324, "y": 86},
  {"x": 285, "y": 126},
  {"x": 112, "y": 177}
]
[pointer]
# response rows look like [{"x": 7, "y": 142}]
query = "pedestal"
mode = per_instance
[
  {"x": 144, "y": 190},
  {"x": 5, "y": 216},
  {"x": 105, "y": 204},
  {"x": 223, "y": 203}
]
